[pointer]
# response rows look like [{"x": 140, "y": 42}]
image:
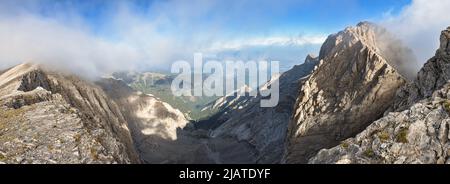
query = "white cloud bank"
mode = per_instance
[
  {"x": 267, "y": 41},
  {"x": 29, "y": 39},
  {"x": 65, "y": 41},
  {"x": 419, "y": 26}
]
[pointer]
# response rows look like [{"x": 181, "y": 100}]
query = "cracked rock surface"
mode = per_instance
[
  {"x": 352, "y": 86},
  {"x": 48, "y": 117},
  {"x": 417, "y": 131}
]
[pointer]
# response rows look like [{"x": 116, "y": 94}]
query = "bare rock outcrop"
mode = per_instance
[
  {"x": 352, "y": 86},
  {"x": 418, "y": 135},
  {"x": 48, "y": 117},
  {"x": 418, "y": 130},
  {"x": 433, "y": 75}
]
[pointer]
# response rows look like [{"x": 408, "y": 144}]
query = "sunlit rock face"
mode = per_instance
[
  {"x": 418, "y": 129},
  {"x": 147, "y": 114},
  {"x": 48, "y": 117},
  {"x": 352, "y": 86}
]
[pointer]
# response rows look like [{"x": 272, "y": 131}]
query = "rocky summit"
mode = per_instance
[
  {"x": 418, "y": 129},
  {"x": 352, "y": 86},
  {"x": 48, "y": 117}
]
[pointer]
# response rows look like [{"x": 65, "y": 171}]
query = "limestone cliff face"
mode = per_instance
[
  {"x": 417, "y": 133},
  {"x": 352, "y": 86},
  {"x": 47, "y": 117}
]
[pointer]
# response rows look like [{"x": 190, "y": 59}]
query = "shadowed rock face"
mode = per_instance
[
  {"x": 48, "y": 117},
  {"x": 352, "y": 86},
  {"x": 417, "y": 133},
  {"x": 154, "y": 124},
  {"x": 262, "y": 130},
  {"x": 161, "y": 135}
]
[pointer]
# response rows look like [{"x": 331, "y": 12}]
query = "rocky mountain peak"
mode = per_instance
[
  {"x": 444, "y": 48},
  {"x": 364, "y": 32},
  {"x": 418, "y": 132},
  {"x": 311, "y": 58},
  {"x": 365, "y": 24},
  {"x": 350, "y": 88},
  {"x": 379, "y": 40}
]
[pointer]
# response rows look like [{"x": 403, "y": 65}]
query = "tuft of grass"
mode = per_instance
[
  {"x": 72, "y": 110},
  {"x": 384, "y": 136},
  {"x": 68, "y": 110},
  {"x": 50, "y": 147},
  {"x": 77, "y": 138},
  {"x": 402, "y": 135},
  {"x": 94, "y": 154},
  {"x": 344, "y": 145},
  {"x": 369, "y": 153},
  {"x": 11, "y": 113},
  {"x": 2, "y": 157},
  {"x": 446, "y": 105},
  {"x": 98, "y": 139}
]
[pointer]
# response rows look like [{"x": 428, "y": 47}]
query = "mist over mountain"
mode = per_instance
[
  {"x": 151, "y": 36},
  {"x": 418, "y": 25}
]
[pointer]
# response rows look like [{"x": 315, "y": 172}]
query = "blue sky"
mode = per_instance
[
  {"x": 244, "y": 17},
  {"x": 100, "y": 36}
]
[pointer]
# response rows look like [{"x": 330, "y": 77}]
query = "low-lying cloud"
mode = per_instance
[
  {"x": 66, "y": 42},
  {"x": 148, "y": 39},
  {"x": 31, "y": 39},
  {"x": 419, "y": 25},
  {"x": 165, "y": 31}
]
